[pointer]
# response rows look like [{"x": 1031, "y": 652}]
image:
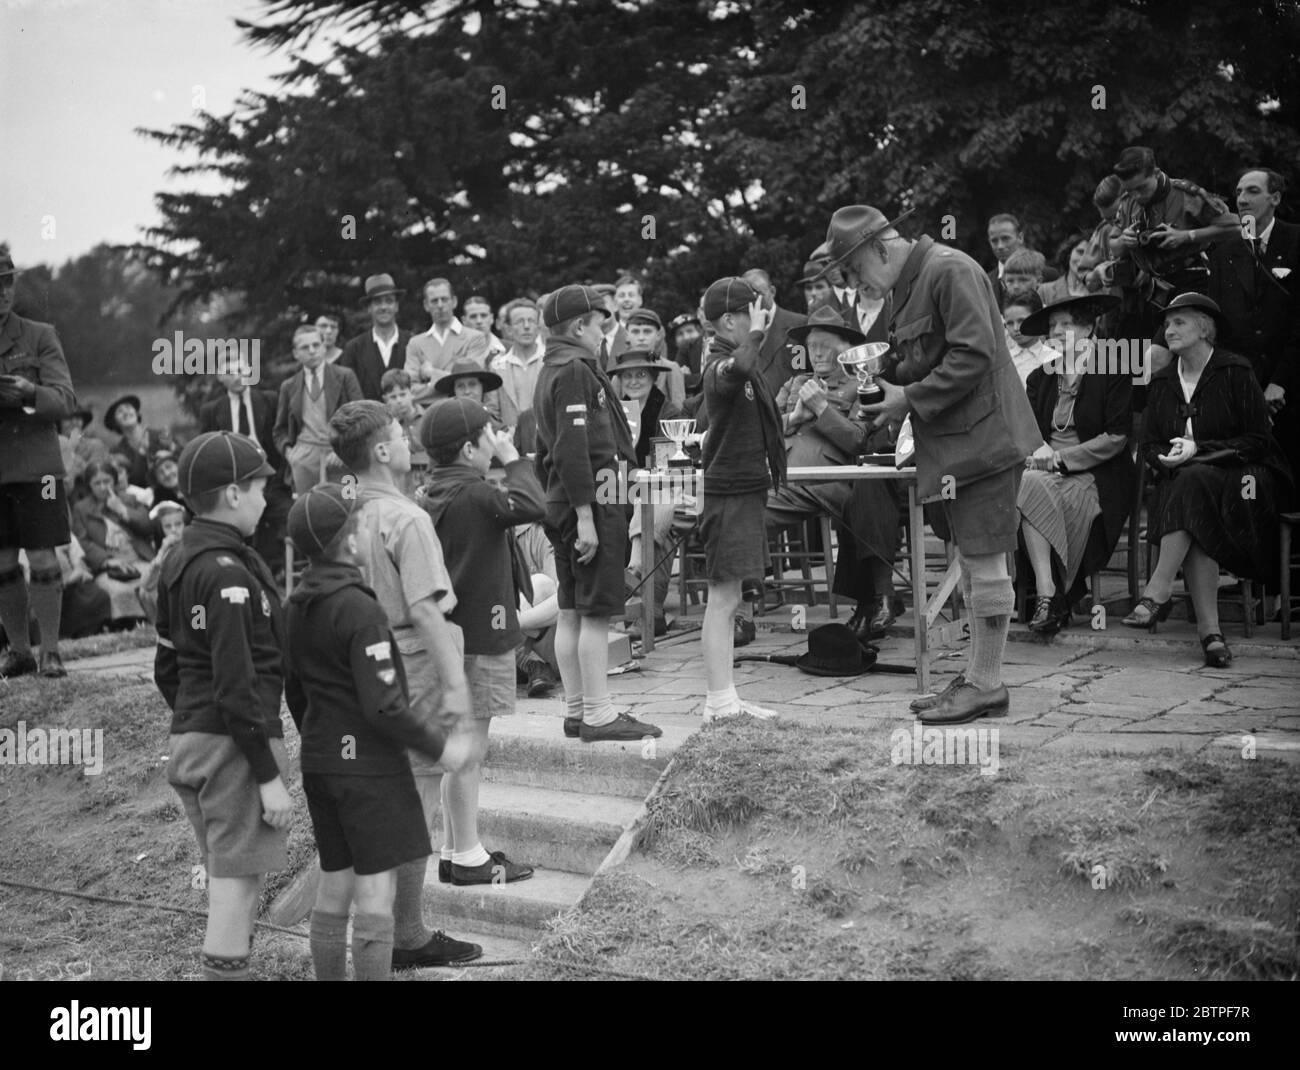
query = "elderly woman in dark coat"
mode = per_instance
[
  {"x": 1083, "y": 471},
  {"x": 1218, "y": 470}
]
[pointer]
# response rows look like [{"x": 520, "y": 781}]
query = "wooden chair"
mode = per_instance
[
  {"x": 1289, "y": 520},
  {"x": 793, "y": 546}
]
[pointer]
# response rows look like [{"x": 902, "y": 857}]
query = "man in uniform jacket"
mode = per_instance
[
  {"x": 971, "y": 421},
  {"x": 35, "y": 394}
]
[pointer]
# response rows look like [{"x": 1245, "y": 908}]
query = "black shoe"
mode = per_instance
[
  {"x": 751, "y": 590},
  {"x": 744, "y": 632},
  {"x": 859, "y": 623},
  {"x": 880, "y": 622},
  {"x": 623, "y": 728},
  {"x": 968, "y": 703},
  {"x": 1217, "y": 654},
  {"x": 15, "y": 663},
  {"x": 541, "y": 680},
  {"x": 572, "y": 727},
  {"x": 1148, "y": 613},
  {"x": 1044, "y": 619},
  {"x": 52, "y": 665},
  {"x": 495, "y": 870},
  {"x": 444, "y": 870},
  {"x": 441, "y": 950},
  {"x": 929, "y": 702}
]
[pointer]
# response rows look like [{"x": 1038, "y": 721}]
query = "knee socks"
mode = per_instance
[
  {"x": 991, "y": 602},
  {"x": 220, "y": 968},
  {"x": 329, "y": 947},
  {"x": 14, "y": 610},
  {"x": 47, "y": 605},
  {"x": 372, "y": 947},
  {"x": 409, "y": 932}
]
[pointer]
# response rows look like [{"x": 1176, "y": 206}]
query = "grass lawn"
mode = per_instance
[{"x": 786, "y": 852}]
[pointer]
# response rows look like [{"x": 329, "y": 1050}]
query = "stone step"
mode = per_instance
[
  {"x": 560, "y": 830},
  {"x": 517, "y": 910},
  {"x": 530, "y": 749}
]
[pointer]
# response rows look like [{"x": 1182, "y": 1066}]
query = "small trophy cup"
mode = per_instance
[
  {"x": 677, "y": 430},
  {"x": 866, "y": 362}
]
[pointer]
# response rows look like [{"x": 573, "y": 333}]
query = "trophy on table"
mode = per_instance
[
  {"x": 866, "y": 362},
  {"x": 677, "y": 430}
]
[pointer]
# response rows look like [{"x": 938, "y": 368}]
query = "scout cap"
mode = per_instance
[
  {"x": 646, "y": 315},
  {"x": 219, "y": 458},
  {"x": 571, "y": 301},
  {"x": 731, "y": 294},
  {"x": 451, "y": 421},
  {"x": 319, "y": 515}
]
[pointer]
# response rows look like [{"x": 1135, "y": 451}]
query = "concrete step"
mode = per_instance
[
  {"x": 530, "y": 749},
  {"x": 560, "y": 830},
  {"x": 517, "y": 911},
  {"x": 496, "y": 948}
]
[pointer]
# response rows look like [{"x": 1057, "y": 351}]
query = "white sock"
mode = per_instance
[
  {"x": 573, "y": 706},
  {"x": 475, "y": 856},
  {"x": 720, "y": 703},
  {"x": 596, "y": 712},
  {"x": 445, "y": 853}
]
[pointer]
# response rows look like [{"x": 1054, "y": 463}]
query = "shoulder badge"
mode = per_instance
[
  {"x": 749, "y": 390},
  {"x": 266, "y": 605},
  {"x": 226, "y": 559},
  {"x": 380, "y": 651},
  {"x": 236, "y": 596}
]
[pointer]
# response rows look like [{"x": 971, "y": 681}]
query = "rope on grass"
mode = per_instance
[{"x": 175, "y": 909}]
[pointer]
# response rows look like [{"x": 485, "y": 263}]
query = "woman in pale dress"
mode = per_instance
[{"x": 116, "y": 537}]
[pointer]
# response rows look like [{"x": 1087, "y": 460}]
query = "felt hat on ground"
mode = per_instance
[
  {"x": 466, "y": 369},
  {"x": 379, "y": 286},
  {"x": 110, "y": 414},
  {"x": 852, "y": 226},
  {"x": 826, "y": 316},
  {"x": 1201, "y": 303},
  {"x": 833, "y": 650},
  {"x": 1089, "y": 306}
]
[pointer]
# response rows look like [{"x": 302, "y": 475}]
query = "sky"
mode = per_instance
[{"x": 76, "y": 79}]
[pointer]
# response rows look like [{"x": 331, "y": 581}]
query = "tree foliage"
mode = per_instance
[{"x": 517, "y": 145}]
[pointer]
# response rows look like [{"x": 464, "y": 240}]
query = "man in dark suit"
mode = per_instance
[
  {"x": 251, "y": 412},
  {"x": 371, "y": 354},
  {"x": 35, "y": 394},
  {"x": 307, "y": 401},
  {"x": 776, "y": 356},
  {"x": 1255, "y": 279}
]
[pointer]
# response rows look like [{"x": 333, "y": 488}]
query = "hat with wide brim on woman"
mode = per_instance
[
  {"x": 1200, "y": 303},
  {"x": 110, "y": 414},
  {"x": 1089, "y": 307},
  {"x": 466, "y": 369},
  {"x": 631, "y": 359},
  {"x": 833, "y": 650}
]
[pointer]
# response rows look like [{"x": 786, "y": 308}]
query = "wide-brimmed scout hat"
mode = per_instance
[
  {"x": 852, "y": 226},
  {"x": 466, "y": 369},
  {"x": 1089, "y": 306},
  {"x": 826, "y": 316}
]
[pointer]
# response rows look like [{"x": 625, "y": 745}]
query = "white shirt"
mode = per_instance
[
  {"x": 441, "y": 336},
  {"x": 1189, "y": 388},
  {"x": 1263, "y": 235},
  {"x": 511, "y": 355},
  {"x": 868, "y": 312},
  {"x": 385, "y": 348},
  {"x": 245, "y": 399}
]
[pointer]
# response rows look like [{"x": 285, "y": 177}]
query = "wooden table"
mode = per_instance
[{"x": 650, "y": 484}]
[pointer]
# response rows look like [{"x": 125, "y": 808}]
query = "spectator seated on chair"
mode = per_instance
[
  {"x": 1083, "y": 471},
  {"x": 1217, "y": 468},
  {"x": 115, "y": 536},
  {"x": 1028, "y": 354},
  {"x": 817, "y": 412}
]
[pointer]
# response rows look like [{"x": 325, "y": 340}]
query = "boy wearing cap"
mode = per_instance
[
  {"x": 744, "y": 456},
  {"x": 582, "y": 437},
  {"x": 346, "y": 688},
  {"x": 218, "y": 665},
  {"x": 474, "y": 521},
  {"x": 402, "y": 563}
]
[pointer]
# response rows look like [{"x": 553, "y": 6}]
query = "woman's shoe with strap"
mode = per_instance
[
  {"x": 1148, "y": 613},
  {"x": 1217, "y": 654}
]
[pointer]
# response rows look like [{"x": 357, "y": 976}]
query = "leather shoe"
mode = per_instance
[
  {"x": 968, "y": 703},
  {"x": 52, "y": 665},
  {"x": 498, "y": 869},
  {"x": 881, "y": 620},
  {"x": 573, "y": 727},
  {"x": 929, "y": 702},
  {"x": 16, "y": 663},
  {"x": 744, "y": 632}
]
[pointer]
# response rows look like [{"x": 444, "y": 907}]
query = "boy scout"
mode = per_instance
[{"x": 218, "y": 665}]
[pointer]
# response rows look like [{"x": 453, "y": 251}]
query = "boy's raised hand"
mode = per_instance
[
  {"x": 760, "y": 316},
  {"x": 277, "y": 807},
  {"x": 504, "y": 446}
]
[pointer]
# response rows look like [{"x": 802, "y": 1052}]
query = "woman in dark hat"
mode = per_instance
[
  {"x": 1083, "y": 471},
  {"x": 138, "y": 443},
  {"x": 1218, "y": 470},
  {"x": 636, "y": 376}
]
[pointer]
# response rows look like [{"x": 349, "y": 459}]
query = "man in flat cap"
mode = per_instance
[
  {"x": 35, "y": 394},
  {"x": 970, "y": 417}
]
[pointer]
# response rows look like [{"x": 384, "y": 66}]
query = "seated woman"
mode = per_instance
[
  {"x": 137, "y": 443},
  {"x": 1027, "y": 353},
  {"x": 1076, "y": 261},
  {"x": 1083, "y": 471},
  {"x": 636, "y": 375},
  {"x": 116, "y": 537},
  {"x": 1206, "y": 440}
]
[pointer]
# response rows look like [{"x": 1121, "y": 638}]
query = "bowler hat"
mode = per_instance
[
  {"x": 571, "y": 301},
  {"x": 826, "y": 316},
  {"x": 1089, "y": 306},
  {"x": 319, "y": 515},
  {"x": 1201, "y": 303},
  {"x": 634, "y": 358},
  {"x": 466, "y": 369},
  {"x": 110, "y": 414},
  {"x": 452, "y": 420},
  {"x": 852, "y": 226},
  {"x": 217, "y": 459},
  {"x": 833, "y": 650},
  {"x": 379, "y": 286}
]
